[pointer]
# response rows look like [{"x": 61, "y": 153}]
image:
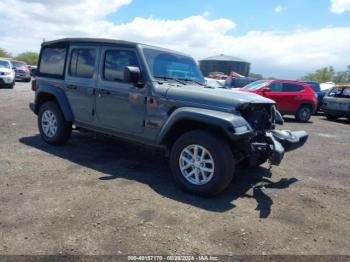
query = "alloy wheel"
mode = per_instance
[{"x": 196, "y": 165}]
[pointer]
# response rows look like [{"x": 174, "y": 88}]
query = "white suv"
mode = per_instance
[{"x": 7, "y": 74}]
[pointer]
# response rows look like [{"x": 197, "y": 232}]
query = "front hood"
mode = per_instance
[{"x": 214, "y": 98}]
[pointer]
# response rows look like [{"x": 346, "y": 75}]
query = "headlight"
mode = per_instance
[
  {"x": 241, "y": 129},
  {"x": 7, "y": 73}
]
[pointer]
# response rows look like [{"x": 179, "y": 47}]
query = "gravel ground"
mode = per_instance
[{"x": 98, "y": 195}]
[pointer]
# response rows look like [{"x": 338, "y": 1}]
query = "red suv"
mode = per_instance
[{"x": 291, "y": 97}]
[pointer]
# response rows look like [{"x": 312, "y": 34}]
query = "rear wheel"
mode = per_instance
[
  {"x": 202, "y": 163},
  {"x": 304, "y": 113},
  {"x": 54, "y": 129}
]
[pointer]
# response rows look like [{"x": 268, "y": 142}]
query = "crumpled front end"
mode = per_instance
[{"x": 267, "y": 142}]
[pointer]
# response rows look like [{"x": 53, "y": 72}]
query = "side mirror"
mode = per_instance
[
  {"x": 266, "y": 89},
  {"x": 133, "y": 75}
]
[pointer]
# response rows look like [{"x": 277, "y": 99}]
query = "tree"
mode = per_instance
[
  {"x": 322, "y": 75},
  {"x": 31, "y": 58},
  {"x": 328, "y": 74},
  {"x": 4, "y": 53}
]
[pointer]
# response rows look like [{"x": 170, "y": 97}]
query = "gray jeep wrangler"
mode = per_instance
[{"x": 156, "y": 97}]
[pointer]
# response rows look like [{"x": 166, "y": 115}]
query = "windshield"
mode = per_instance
[
  {"x": 256, "y": 85},
  {"x": 18, "y": 64},
  {"x": 172, "y": 66},
  {"x": 4, "y": 64}
]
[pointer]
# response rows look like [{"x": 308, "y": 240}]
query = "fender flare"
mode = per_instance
[
  {"x": 60, "y": 98},
  {"x": 224, "y": 120}
]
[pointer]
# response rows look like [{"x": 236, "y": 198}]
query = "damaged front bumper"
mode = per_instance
[{"x": 279, "y": 142}]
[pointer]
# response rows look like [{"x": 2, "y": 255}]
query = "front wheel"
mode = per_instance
[
  {"x": 304, "y": 113},
  {"x": 54, "y": 129},
  {"x": 202, "y": 163}
]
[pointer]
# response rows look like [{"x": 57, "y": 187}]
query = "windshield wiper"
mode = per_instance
[
  {"x": 191, "y": 80},
  {"x": 165, "y": 78}
]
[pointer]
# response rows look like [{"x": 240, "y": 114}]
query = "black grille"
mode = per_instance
[{"x": 259, "y": 116}]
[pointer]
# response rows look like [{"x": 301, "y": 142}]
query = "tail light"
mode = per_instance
[{"x": 34, "y": 86}]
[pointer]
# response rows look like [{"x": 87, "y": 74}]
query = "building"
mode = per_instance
[{"x": 225, "y": 64}]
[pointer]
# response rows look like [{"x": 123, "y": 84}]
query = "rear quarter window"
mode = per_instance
[{"x": 52, "y": 61}]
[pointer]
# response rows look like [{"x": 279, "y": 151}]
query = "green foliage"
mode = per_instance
[
  {"x": 328, "y": 74},
  {"x": 31, "y": 58},
  {"x": 4, "y": 53}
]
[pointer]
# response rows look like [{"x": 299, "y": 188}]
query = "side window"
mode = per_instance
[
  {"x": 82, "y": 63},
  {"x": 52, "y": 61},
  {"x": 346, "y": 93},
  {"x": 115, "y": 62},
  {"x": 287, "y": 87},
  {"x": 276, "y": 87}
]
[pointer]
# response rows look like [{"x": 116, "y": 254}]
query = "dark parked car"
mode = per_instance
[
  {"x": 317, "y": 89},
  {"x": 336, "y": 103},
  {"x": 292, "y": 97},
  {"x": 238, "y": 82},
  {"x": 128, "y": 90},
  {"x": 22, "y": 71}
]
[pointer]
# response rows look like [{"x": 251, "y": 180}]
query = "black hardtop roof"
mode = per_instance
[
  {"x": 104, "y": 41},
  {"x": 89, "y": 40}
]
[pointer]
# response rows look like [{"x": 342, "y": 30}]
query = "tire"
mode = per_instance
[
  {"x": 304, "y": 113},
  {"x": 330, "y": 117},
  {"x": 219, "y": 154},
  {"x": 61, "y": 129}
]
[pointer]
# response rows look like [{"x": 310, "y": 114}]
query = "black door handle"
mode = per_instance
[
  {"x": 104, "y": 92},
  {"x": 73, "y": 87}
]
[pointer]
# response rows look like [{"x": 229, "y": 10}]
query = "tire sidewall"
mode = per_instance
[
  {"x": 300, "y": 117},
  {"x": 51, "y": 106},
  {"x": 222, "y": 167}
]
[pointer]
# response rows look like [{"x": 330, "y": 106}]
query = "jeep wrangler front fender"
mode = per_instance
[
  {"x": 45, "y": 91},
  {"x": 227, "y": 122}
]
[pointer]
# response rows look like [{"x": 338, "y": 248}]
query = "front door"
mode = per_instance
[
  {"x": 81, "y": 80},
  {"x": 276, "y": 95},
  {"x": 120, "y": 106}
]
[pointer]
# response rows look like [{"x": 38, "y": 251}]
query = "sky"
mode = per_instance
[{"x": 281, "y": 38}]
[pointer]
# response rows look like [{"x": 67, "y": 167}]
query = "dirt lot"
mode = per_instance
[{"x": 104, "y": 196}]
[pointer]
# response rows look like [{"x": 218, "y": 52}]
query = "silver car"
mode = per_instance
[{"x": 336, "y": 103}]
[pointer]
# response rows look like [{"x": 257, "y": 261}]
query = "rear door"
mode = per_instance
[
  {"x": 120, "y": 106},
  {"x": 81, "y": 80}
]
